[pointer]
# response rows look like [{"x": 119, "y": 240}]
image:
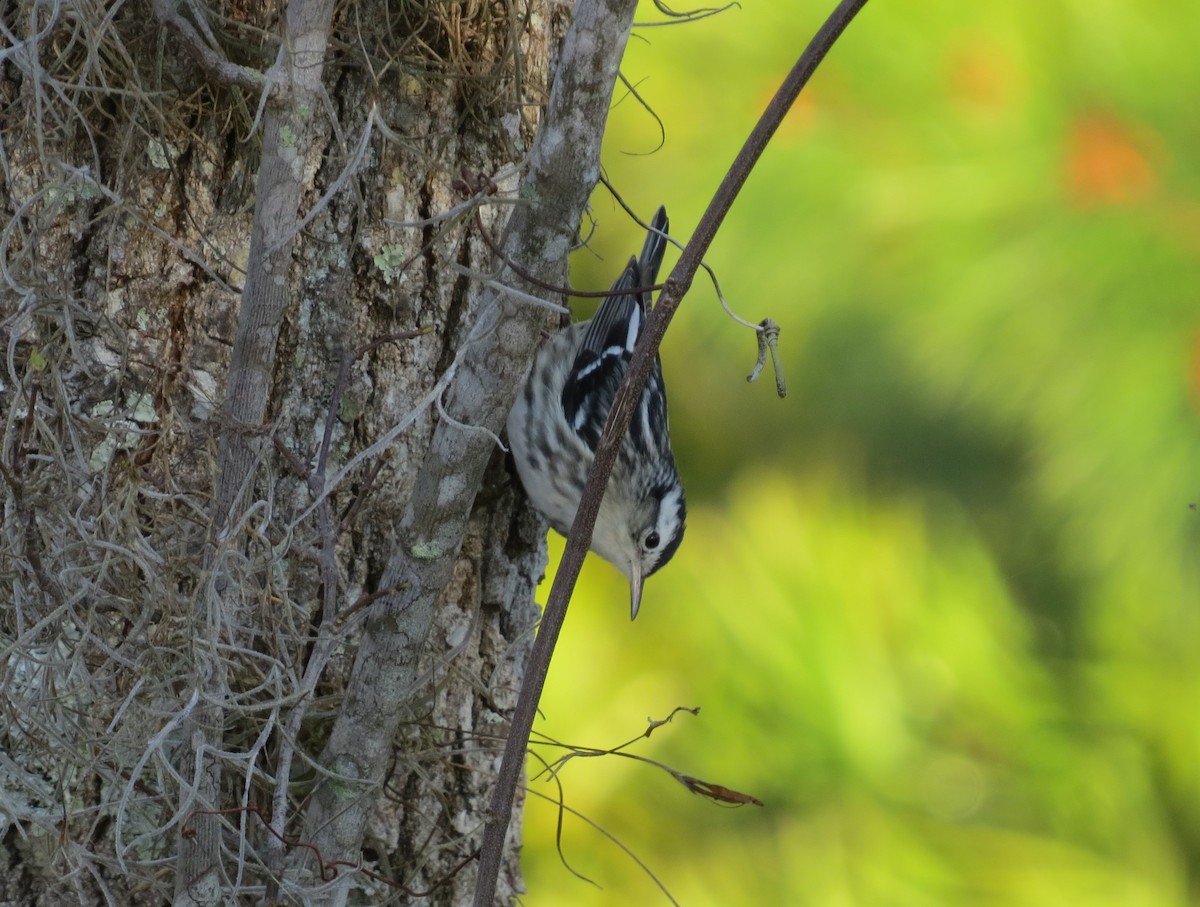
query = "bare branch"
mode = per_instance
[{"x": 214, "y": 64}]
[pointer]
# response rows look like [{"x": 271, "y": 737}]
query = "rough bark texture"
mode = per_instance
[{"x": 184, "y": 583}]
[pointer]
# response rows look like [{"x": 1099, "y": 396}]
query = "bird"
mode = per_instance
[{"x": 559, "y": 414}]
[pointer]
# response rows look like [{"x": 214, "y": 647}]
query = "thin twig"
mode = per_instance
[
  {"x": 613, "y": 838},
  {"x": 718, "y": 793},
  {"x": 541, "y": 284},
  {"x": 712, "y": 275},
  {"x": 691, "y": 15}
]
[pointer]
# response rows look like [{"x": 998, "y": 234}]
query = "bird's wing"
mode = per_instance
[{"x": 607, "y": 347}]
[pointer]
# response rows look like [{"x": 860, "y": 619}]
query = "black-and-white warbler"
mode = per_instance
[{"x": 556, "y": 422}]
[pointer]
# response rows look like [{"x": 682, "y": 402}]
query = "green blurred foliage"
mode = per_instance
[{"x": 939, "y": 605}]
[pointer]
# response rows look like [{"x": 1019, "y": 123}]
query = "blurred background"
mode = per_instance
[{"x": 939, "y": 605}]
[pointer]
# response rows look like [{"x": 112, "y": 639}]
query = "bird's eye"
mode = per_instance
[{"x": 652, "y": 541}]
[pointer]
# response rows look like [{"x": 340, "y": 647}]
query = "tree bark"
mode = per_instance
[{"x": 225, "y": 279}]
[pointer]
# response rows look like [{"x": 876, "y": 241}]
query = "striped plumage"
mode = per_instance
[{"x": 559, "y": 415}]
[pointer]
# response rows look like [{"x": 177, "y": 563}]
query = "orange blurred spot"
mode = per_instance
[
  {"x": 979, "y": 73},
  {"x": 1106, "y": 164}
]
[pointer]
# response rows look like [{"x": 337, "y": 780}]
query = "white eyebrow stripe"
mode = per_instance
[{"x": 670, "y": 504}]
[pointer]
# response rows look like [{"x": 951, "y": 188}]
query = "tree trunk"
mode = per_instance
[{"x": 229, "y": 305}]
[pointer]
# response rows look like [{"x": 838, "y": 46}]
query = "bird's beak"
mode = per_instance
[{"x": 635, "y": 589}]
